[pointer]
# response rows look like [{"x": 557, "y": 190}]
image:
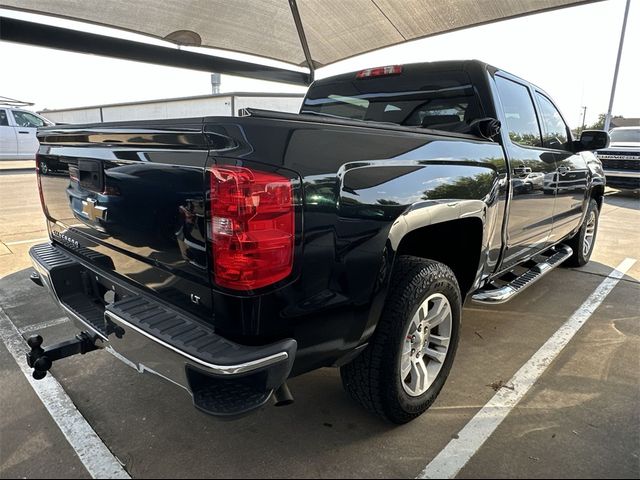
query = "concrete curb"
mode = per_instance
[
  {"x": 17, "y": 165},
  {"x": 17, "y": 170}
]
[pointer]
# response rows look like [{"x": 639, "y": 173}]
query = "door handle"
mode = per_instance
[
  {"x": 562, "y": 170},
  {"x": 23, "y": 132}
]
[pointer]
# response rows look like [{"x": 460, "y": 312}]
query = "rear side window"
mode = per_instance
[
  {"x": 554, "y": 130},
  {"x": 520, "y": 115},
  {"x": 444, "y": 100},
  {"x": 26, "y": 119},
  {"x": 4, "y": 120}
]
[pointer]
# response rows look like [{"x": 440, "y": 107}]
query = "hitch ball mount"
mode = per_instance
[{"x": 41, "y": 359}]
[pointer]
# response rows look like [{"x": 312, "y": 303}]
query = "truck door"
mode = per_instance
[
  {"x": 530, "y": 216},
  {"x": 572, "y": 177},
  {"x": 8, "y": 141},
  {"x": 26, "y": 127}
]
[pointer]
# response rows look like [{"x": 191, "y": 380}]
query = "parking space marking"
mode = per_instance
[
  {"x": 42, "y": 325},
  {"x": 449, "y": 462},
  {"x": 92, "y": 452}
]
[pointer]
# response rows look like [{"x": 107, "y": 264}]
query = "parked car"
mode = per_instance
[
  {"x": 536, "y": 180},
  {"x": 228, "y": 255},
  {"x": 621, "y": 161},
  {"x": 528, "y": 181},
  {"x": 18, "y": 129}
]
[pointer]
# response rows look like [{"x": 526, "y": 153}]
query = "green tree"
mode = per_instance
[
  {"x": 599, "y": 125},
  {"x": 477, "y": 186}
]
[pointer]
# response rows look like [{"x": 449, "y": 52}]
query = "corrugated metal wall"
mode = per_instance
[
  {"x": 280, "y": 104},
  {"x": 223, "y": 105},
  {"x": 158, "y": 110},
  {"x": 85, "y": 115}
]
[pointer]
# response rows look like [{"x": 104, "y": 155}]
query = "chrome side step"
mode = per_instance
[{"x": 492, "y": 294}]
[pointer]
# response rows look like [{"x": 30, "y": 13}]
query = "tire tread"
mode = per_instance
[{"x": 366, "y": 377}]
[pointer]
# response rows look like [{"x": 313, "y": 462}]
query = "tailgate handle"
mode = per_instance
[{"x": 91, "y": 174}]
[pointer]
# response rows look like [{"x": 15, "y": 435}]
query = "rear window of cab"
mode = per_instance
[{"x": 445, "y": 100}]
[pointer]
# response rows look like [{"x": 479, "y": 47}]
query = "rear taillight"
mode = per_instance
[
  {"x": 252, "y": 227},
  {"x": 379, "y": 71},
  {"x": 38, "y": 160}
]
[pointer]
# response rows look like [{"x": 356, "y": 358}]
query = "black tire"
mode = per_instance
[
  {"x": 44, "y": 168},
  {"x": 373, "y": 378},
  {"x": 581, "y": 257}
]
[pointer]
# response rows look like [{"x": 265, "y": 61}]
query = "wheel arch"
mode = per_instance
[
  {"x": 597, "y": 193},
  {"x": 451, "y": 233}
]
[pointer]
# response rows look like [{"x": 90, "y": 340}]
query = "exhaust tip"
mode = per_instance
[{"x": 282, "y": 396}]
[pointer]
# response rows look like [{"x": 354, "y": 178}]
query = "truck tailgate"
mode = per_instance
[{"x": 131, "y": 199}]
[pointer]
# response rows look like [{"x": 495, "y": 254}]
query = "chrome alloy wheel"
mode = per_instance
[
  {"x": 589, "y": 234},
  {"x": 426, "y": 344}
]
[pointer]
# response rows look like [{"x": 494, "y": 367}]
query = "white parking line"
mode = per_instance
[
  {"x": 43, "y": 325},
  {"x": 449, "y": 462},
  {"x": 94, "y": 455}
]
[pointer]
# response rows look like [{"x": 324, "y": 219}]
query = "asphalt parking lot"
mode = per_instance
[{"x": 580, "y": 419}]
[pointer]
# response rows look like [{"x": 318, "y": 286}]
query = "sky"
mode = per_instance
[{"x": 570, "y": 53}]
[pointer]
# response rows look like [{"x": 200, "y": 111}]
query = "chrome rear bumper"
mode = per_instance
[{"x": 154, "y": 337}]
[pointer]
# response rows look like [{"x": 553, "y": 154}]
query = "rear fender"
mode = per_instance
[
  {"x": 407, "y": 196},
  {"x": 415, "y": 194}
]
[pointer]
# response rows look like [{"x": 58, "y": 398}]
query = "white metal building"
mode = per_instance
[{"x": 226, "y": 104}]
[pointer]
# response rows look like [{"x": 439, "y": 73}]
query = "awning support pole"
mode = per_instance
[
  {"x": 607, "y": 121},
  {"x": 41, "y": 35},
  {"x": 303, "y": 38}
]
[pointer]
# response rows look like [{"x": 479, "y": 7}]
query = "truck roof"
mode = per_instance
[
  {"x": 472, "y": 66},
  {"x": 416, "y": 68},
  {"x": 631, "y": 127}
]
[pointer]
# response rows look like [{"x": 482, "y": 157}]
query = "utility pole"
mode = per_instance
[
  {"x": 584, "y": 115},
  {"x": 215, "y": 83},
  {"x": 607, "y": 120}
]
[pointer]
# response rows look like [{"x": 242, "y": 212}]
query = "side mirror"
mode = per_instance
[
  {"x": 485, "y": 127},
  {"x": 592, "y": 140}
]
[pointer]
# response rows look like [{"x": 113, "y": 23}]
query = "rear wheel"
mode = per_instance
[
  {"x": 44, "y": 168},
  {"x": 583, "y": 242},
  {"x": 405, "y": 365}
]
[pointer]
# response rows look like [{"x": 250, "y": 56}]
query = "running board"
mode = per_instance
[{"x": 492, "y": 295}]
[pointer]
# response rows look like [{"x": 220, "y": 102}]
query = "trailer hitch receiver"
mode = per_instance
[{"x": 41, "y": 359}]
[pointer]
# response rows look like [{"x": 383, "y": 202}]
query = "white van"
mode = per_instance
[{"x": 18, "y": 133}]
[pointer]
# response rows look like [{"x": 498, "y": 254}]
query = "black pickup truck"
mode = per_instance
[{"x": 228, "y": 255}]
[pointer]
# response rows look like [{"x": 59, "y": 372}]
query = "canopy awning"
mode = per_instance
[{"x": 308, "y": 33}]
